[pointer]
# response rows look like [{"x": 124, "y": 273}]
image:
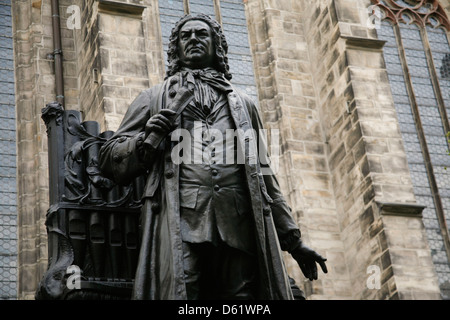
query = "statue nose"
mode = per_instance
[{"x": 193, "y": 38}]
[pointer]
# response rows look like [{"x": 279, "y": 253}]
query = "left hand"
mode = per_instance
[{"x": 307, "y": 259}]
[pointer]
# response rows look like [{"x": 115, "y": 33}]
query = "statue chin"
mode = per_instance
[
  {"x": 197, "y": 61},
  {"x": 196, "y": 65}
]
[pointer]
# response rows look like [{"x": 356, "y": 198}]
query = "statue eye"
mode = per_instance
[
  {"x": 184, "y": 36},
  {"x": 203, "y": 34}
]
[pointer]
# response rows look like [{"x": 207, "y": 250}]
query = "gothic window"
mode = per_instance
[
  {"x": 417, "y": 57},
  {"x": 231, "y": 15}
]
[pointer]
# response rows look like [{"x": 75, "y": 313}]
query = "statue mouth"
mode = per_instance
[{"x": 194, "y": 49}]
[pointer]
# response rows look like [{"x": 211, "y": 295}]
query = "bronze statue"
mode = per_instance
[{"x": 210, "y": 229}]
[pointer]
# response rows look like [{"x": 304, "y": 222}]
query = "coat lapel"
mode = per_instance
[{"x": 247, "y": 144}]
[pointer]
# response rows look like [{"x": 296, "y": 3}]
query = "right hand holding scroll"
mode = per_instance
[
  {"x": 159, "y": 126},
  {"x": 161, "y": 123}
]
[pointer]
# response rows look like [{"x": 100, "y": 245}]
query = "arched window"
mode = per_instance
[
  {"x": 231, "y": 15},
  {"x": 417, "y": 57}
]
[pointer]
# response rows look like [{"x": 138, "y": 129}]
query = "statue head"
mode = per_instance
[{"x": 197, "y": 42}]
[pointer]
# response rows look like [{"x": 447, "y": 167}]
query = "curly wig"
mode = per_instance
[{"x": 220, "y": 43}]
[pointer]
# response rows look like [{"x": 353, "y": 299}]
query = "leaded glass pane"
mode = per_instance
[
  {"x": 202, "y": 6},
  {"x": 440, "y": 49},
  {"x": 239, "y": 56},
  {"x": 8, "y": 195}
]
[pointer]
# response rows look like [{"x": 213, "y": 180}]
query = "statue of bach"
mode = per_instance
[{"x": 214, "y": 228}]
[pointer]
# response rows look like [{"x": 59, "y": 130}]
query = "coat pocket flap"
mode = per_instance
[{"x": 188, "y": 196}]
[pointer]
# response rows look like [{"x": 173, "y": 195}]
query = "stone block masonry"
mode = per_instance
[{"x": 322, "y": 82}]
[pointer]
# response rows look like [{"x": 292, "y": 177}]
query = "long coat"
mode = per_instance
[{"x": 160, "y": 273}]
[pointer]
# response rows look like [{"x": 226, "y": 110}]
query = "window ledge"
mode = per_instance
[
  {"x": 400, "y": 209},
  {"x": 366, "y": 43}
]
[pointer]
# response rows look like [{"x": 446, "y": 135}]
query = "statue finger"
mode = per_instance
[
  {"x": 163, "y": 118},
  {"x": 313, "y": 268},
  {"x": 310, "y": 268},
  {"x": 323, "y": 266},
  {"x": 158, "y": 125},
  {"x": 166, "y": 121},
  {"x": 307, "y": 271},
  {"x": 167, "y": 113},
  {"x": 304, "y": 270},
  {"x": 321, "y": 261}
]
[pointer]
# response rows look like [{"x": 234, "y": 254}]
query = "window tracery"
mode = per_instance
[{"x": 421, "y": 12}]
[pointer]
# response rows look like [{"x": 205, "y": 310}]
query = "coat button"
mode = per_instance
[
  {"x": 216, "y": 188},
  {"x": 243, "y": 124},
  {"x": 155, "y": 206},
  {"x": 215, "y": 172},
  {"x": 169, "y": 174},
  {"x": 117, "y": 158},
  {"x": 172, "y": 93}
]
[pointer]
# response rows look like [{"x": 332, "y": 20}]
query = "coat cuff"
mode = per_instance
[
  {"x": 127, "y": 160},
  {"x": 289, "y": 234},
  {"x": 291, "y": 240}
]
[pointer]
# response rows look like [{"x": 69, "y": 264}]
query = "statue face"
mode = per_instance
[{"x": 195, "y": 45}]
